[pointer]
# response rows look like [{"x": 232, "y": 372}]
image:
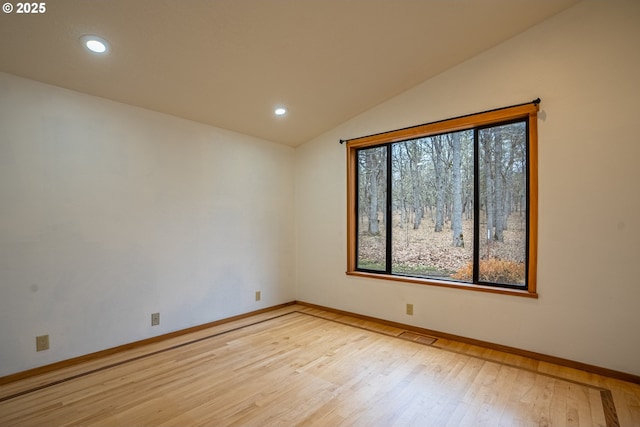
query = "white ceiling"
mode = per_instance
[{"x": 228, "y": 63}]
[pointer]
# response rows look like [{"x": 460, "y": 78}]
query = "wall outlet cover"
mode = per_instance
[{"x": 42, "y": 343}]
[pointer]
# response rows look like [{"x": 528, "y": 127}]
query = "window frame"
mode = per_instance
[{"x": 527, "y": 111}]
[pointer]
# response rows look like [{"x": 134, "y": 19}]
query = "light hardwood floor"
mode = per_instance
[{"x": 304, "y": 366}]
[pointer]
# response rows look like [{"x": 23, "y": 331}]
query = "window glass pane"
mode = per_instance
[
  {"x": 432, "y": 205},
  {"x": 372, "y": 190},
  {"x": 503, "y": 206}
]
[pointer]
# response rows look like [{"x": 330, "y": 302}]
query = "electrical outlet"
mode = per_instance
[
  {"x": 257, "y": 295},
  {"x": 155, "y": 319},
  {"x": 42, "y": 343},
  {"x": 410, "y": 309}
]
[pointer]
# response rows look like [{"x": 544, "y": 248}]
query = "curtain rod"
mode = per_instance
[{"x": 535, "y": 102}]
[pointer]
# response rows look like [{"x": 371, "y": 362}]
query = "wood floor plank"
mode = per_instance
[{"x": 315, "y": 369}]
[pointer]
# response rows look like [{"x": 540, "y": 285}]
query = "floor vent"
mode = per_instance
[{"x": 422, "y": 339}]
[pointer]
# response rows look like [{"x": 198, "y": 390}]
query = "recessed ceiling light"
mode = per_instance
[
  {"x": 280, "y": 111},
  {"x": 95, "y": 44}
]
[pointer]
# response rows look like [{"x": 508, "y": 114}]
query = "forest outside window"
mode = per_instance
[{"x": 451, "y": 203}]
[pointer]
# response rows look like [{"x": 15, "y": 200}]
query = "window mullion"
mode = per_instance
[
  {"x": 527, "y": 200},
  {"x": 476, "y": 207},
  {"x": 389, "y": 224}
]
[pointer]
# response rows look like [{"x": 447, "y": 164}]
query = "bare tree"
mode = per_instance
[
  {"x": 499, "y": 185},
  {"x": 488, "y": 194},
  {"x": 414, "y": 153},
  {"x": 370, "y": 177},
  {"x": 456, "y": 218},
  {"x": 439, "y": 169}
]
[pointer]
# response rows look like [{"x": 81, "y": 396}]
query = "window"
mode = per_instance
[{"x": 451, "y": 203}]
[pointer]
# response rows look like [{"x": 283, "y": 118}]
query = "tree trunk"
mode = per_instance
[
  {"x": 413, "y": 153},
  {"x": 439, "y": 167},
  {"x": 508, "y": 182},
  {"x": 372, "y": 214},
  {"x": 499, "y": 186},
  {"x": 488, "y": 190},
  {"x": 456, "y": 218}
]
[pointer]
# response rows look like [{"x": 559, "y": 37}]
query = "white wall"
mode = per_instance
[
  {"x": 585, "y": 65},
  {"x": 109, "y": 213}
]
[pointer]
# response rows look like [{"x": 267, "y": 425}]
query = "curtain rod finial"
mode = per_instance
[
  {"x": 342, "y": 141},
  {"x": 536, "y": 101}
]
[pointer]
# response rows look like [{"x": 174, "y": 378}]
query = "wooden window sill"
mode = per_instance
[{"x": 446, "y": 284}]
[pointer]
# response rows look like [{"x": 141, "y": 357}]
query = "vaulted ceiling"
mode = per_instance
[{"x": 229, "y": 63}]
